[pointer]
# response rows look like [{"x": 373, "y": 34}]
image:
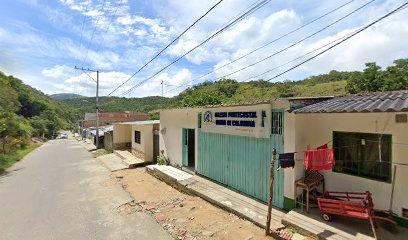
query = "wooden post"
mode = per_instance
[{"x": 271, "y": 179}]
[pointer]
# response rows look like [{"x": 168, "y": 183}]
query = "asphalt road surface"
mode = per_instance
[{"x": 59, "y": 191}]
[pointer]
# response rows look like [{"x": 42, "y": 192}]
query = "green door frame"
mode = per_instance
[
  {"x": 277, "y": 141},
  {"x": 184, "y": 149}
]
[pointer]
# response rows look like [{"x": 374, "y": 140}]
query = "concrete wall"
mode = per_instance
[
  {"x": 121, "y": 135},
  {"x": 172, "y": 121},
  {"x": 313, "y": 130},
  {"x": 144, "y": 150},
  {"x": 108, "y": 141}
]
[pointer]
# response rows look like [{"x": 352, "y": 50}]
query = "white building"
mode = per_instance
[{"x": 233, "y": 144}]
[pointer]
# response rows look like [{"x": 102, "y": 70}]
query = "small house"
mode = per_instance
[
  {"x": 233, "y": 144},
  {"x": 141, "y": 138}
]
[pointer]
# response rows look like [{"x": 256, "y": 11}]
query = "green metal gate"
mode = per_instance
[{"x": 241, "y": 162}]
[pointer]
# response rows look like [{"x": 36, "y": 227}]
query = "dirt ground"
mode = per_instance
[{"x": 182, "y": 215}]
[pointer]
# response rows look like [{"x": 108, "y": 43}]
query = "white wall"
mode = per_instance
[
  {"x": 313, "y": 130},
  {"x": 146, "y": 141},
  {"x": 172, "y": 121}
]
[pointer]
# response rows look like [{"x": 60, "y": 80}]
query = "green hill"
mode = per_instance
[
  {"x": 225, "y": 91},
  {"x": 64, "y": 96},
  {"x": 26, "y": 112},
  {"x": 116, "y": 104}
]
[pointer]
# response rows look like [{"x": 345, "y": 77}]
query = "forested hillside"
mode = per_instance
[
  {"x": 334, "y": 83},
  {"x": 116, "y": 104},
  {"x": 27, "y": 112},
  {"x": 64, "y": 96}
]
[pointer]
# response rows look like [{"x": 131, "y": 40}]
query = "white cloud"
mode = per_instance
[
  {"x": 58, "y": 71},
  {"x": 130, "y": 34},
  {"x": 133, "y": 19},
  {"x": 153, "y": 87},
  {"x": 83, "y": 84}
]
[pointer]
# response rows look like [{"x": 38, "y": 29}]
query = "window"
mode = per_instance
[
  {"x": 363, "y": 154},
  {"x": 137, "y": 137},
  {"x": 277, "y": 123}
]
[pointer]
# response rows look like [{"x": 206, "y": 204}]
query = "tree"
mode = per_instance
[
  {"x": 370, "y": 80},
  {"x": 286, "y": 89},
  {"x": 396, "y": 77}
]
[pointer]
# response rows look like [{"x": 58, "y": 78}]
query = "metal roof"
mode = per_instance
[
  {"x": 151, "y": 122},
  {"x": 395, "y": 101}
]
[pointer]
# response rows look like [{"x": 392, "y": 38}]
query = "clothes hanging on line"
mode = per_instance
[
  {"x": 286, "y": 160},
  {"x": 319, "y": 159}
]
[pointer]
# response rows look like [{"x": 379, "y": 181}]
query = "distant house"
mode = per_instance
[
  {"x": 108, "y": 118},
  {"x": 141, "y": 138},
  {"x": 233, "y": 144}
]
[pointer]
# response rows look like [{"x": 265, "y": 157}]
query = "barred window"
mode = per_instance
[
  {"x": 277, "y": 123},
  {"x": 137, "y": 137}
]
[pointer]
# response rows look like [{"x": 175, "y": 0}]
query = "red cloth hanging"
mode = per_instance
[
  {"x": 323, "y": 147},
  {"x": 319, "y": 159}
]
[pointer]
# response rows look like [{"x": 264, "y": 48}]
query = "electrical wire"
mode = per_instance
[
  {"x": 83, "y": 24},
  {"x": 298, "y": 42},
  {"x": 403, "y": 6},
  {"x": 276, "y": 39},
  {"x": 93, "y": 33},
  {"x": 240, "y": 18},
  {"x": 279, "y": 66},
  {"x": 168, "y": 45},
  {"x": 331, "y": 47},
  {"x": 113, "y": 15}
]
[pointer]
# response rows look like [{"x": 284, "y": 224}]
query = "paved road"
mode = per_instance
[{"x": 60, "y": 191}]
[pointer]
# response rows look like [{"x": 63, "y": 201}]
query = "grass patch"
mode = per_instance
[
  {"x": 100, "y": 152},
  {"x": 8, "y": 159}
]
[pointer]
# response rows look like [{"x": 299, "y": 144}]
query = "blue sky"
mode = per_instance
[{"x": 42, "y": 41}]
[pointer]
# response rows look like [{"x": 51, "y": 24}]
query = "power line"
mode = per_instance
[
  {"x": 299, "y": 41},
  {"x": 168, "y": 45},
  {"x": 339, "y": 41},
  {"x": 352, "y": 35},
  {"x": 83, "y": 24},
  {"x": 276, "y": 39},
  {"x": 93, "y": 33},
  {"x": 274, "y": 68},
  {"x": 107, "y": 29},
  {"x": 240, "y": 18}
]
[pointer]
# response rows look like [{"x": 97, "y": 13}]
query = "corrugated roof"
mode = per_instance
[
  {"x": 395, "y": 101},
  {"x": 151, "y": 122}
]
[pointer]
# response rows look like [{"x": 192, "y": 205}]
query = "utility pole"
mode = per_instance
[
  {"x": 96, "y": 99},
  {"x": 162, "y": 87},
  {"x": 271, "y": 180}
]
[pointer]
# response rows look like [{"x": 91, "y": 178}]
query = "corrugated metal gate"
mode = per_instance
[{"x": 242, "y": 162}]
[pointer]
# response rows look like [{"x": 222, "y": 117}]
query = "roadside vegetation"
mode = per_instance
[
  {"x": 8, "y": 159},
  {"x": 26, "y": 113}
]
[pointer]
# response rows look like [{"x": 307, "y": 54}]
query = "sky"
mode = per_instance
[{"x": 41, "y": 41}]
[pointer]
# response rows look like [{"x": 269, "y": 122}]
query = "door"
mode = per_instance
[
  {"x": 277, "y": 137},
  {"x": 184, "y": 139},
  {"x": 156, "y": 147},
  {"x": 191, "y": 148},
  {"x": 188, "y": 147}
]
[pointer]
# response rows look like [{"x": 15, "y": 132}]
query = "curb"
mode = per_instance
[{"x": 185, "y": 189}]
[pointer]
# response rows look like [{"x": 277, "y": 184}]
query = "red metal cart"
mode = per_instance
[{"x": 351, "y": 204}]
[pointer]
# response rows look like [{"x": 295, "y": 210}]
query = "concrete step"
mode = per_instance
[
  {"x": 129, "y": 159},
  {"x": 112, "y": 162}
]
